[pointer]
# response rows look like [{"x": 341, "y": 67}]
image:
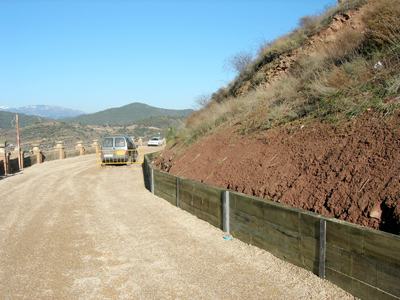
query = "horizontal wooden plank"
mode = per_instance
[
  {"x": 362, "y": 268},
  {"x": 164, "y": 177},
  {"x": 271, "y": 233},
  {"x": 247, "y": 204},
  {"x": 165, "y": 196},
  {"x": 286, "y": 254},
  {"x": 357, "y": 288},
  {"x": 194, "y": 198},
  {"x": 164, "y": 184},
  {"x": 167, "y": 187},
  {"x": 204, "y": 204},
  {"x": 309, "y": 248},
  {"x": 276, "y": 213},
  {"x": 216, "y": 222},
  {"x": 310, "y": 224},
  {"x": 200, "y": 189},
  {"x": 375, "y": 244},
  {"x": 201, "y": 196},
  {"x": 283, "y": 243}
]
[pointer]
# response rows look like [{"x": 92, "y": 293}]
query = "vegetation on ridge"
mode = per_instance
[
  {"x": 136, "y": 120},
  {"x": 351, "y": 71},
  {"x": 7, "y": 120},
  {"x": 127, "y": 114}
]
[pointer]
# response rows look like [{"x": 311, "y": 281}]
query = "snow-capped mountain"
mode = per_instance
[{"x": 46, "y": 111}]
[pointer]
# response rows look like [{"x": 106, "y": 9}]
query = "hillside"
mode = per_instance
[
  {"x": 127, "y": 114},
  {"x": 48, "y": 133},
  {"x": 137, "y": 120},
  {"x": 312, "y": 122},
  {"x": 7, "y": 120},
  {"x": 45, "y": 111}
]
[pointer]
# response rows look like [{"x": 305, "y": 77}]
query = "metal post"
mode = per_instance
[
  {"x": 322, "y": 248},
  {"x": 4, "y": 156},
  {"x": 20, "y": 164},
  {"x": 152, "y": 181},
  {"x": 177, "y": 191},
  {"x": 225, "y": 211}
]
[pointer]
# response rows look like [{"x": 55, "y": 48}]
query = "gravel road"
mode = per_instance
[{"x": 69, "y": 230}]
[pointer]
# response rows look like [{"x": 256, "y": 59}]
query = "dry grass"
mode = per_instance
[
  {"x": 342, "y": 79},
  {"x": 346, "y": 46},
  {"x": 383, "y": 21}
]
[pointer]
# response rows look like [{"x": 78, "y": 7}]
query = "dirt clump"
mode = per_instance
[{"x": 350, "y": 172}]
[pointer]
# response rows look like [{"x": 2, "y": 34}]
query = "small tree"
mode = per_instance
[
  {"x": 309, "y": 23},
  {"x": 202, "y": 101},
  {"x": 238, "y": 63},
  {"x": 171, "y": 135}
]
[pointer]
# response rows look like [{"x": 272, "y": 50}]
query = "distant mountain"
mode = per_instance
[
  {"x": 7, "y": 120},
  {"x": 47, "y": 133},
  {"x": 46, "y": 111},
  {"x": 127, "y": 114}
]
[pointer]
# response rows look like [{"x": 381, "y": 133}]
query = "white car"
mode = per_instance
[{"x": 156, "y": 141}]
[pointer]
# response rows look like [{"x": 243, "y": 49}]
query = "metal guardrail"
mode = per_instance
[{"x": 119, "y": 157}]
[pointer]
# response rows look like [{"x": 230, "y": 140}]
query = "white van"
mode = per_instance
[{"x": 118, "y": 149}]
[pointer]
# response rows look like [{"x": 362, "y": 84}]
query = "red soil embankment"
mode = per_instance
[{"x": 351, "y": 172}]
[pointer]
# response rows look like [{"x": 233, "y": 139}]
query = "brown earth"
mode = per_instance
[{"x": 350, "y": 172}]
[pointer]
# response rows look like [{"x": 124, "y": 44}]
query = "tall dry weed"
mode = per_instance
[
  {"x": 309, "y": 23},
  {"x": 345, "y": 47},
  {"x": 383, "y": 20},
  {"x": 341, "y": 79},
  {"x": 287, "y": 89},
  {"x": 338, "y": 77},
  {"x": 394, "y": 85},
  {"x": 320, "y": 89}
]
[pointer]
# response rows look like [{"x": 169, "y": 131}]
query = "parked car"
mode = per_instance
[
  {"x": 118, "y": 149},
  {"x": 156, "y": 141}
]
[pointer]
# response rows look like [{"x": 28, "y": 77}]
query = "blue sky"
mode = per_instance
[{"x": 92, "y": 55}]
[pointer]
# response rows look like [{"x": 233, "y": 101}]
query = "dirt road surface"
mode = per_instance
[{"x": 69, "y": 230}]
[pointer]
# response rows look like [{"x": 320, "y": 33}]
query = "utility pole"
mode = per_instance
[{"x": 18, "y": 144}]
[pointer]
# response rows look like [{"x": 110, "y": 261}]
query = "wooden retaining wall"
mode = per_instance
[{"x": 362, "y": 261}]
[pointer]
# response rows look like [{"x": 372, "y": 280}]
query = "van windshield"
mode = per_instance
[
  {"x": 119, "y": 142},
  {"x": 108, "y": 142}
]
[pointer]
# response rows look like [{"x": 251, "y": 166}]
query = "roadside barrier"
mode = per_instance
[
  {"x": 362, "y": 261},
  {"x": 9, "y": 165},
  {"x": 120, "y": 157}
]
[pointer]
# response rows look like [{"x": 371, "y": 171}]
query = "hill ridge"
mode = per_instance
[
  {"x": 127, "y": 114},
  {"x": 313, "y": 123}
]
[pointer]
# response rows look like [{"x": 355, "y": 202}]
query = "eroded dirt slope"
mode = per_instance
[{"x": 350, "y": 172}]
